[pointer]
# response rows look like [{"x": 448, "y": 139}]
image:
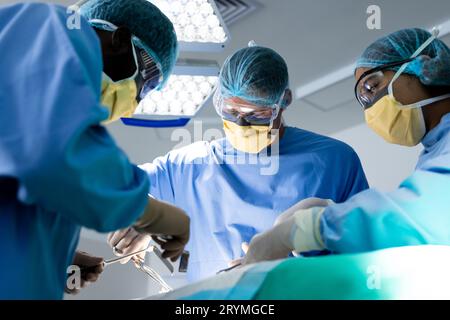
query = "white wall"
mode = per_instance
[{"x": 385, "y": 165}]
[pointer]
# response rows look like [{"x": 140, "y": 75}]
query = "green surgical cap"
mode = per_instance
[
  {"x": 255, "y": 74},
  {"x": 432, "y": 67},
  {"x": 153, "y": 30}
]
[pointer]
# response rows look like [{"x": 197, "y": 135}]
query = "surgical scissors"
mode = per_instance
[
  {"x": 140, "y": 265},
  {"x": 153, "y": 275},
  {"x": 106, "y": 263}
]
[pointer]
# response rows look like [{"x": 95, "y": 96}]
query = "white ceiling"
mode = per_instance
[{"x": 318, "y": 37}]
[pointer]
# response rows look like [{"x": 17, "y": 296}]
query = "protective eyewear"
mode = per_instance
[
  {"x": 149, "y": 76},
  {"x": 245, "y": 114}
]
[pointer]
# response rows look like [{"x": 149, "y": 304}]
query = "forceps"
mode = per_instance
[
  {"x": 141, "y": 266},
  {"x": 106, "y": 263}
]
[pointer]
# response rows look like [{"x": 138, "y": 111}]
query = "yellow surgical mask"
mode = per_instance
[
  {"x": 398, "y": 123},
  {"x": 249, "y": 139},
  {"x": 403, "y": 126},
  {"x": 119, "y": 98}
]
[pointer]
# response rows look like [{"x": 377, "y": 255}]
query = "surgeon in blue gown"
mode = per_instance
[
  {"x": 403, "y": 86},
  {"x": 59, "y": 168},
  {"x": 235, "y": 187}
]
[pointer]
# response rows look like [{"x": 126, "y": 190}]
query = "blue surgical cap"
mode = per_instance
[
  {"x": 432, "y": 67},
  {"x": 255, "y": 74},
  {"x": 153, "y": 30}
]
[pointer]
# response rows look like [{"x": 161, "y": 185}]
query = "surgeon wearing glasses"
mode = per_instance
[
  {"x": 221, "y": 184},
  {"x": 403, "y": 87},
  {"x": 146, "y": 73}
]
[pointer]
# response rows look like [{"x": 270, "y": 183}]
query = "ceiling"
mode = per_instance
[{"x": 318, "y": 37}]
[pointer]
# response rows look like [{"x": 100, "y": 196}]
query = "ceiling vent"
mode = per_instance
[{"x": 235, "y": 10}]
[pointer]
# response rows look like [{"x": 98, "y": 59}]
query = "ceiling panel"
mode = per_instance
[{"x": 332, "y": 97}]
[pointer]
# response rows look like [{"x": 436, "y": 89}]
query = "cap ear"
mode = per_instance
[
  {"x": 287, "y": 99},
  {"x": 431, "y": 70}
]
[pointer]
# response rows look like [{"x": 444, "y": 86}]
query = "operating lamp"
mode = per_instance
[
  {"x": 198, "y": 24},
  {"x": 186, "y": 92}
]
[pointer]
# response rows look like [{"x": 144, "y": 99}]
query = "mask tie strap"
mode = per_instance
[{"x": 432, "y": 100}]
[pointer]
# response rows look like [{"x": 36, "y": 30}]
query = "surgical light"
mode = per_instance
[
  {"x": 182, "y": 96},
  {"x": 198, "y": 24}
]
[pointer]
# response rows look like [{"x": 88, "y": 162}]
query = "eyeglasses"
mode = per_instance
[
  {"x": 245, "y": 113},
  {"x": 373, "y": 84},
  {"x": 249, "y": 114}
]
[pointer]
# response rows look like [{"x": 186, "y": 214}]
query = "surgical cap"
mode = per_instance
[
  {"x": 255, "y": 74},
  {"x": 153, "y": 30},
  {"x": 432, "y": 67}
]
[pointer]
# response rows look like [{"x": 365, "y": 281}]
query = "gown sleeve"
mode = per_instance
[
  {"x": 416, "y": 213},
  {"x": 51, "y": 137}
]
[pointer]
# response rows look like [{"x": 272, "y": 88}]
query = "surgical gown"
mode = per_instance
[
  {"x": 417, "y": 213},
  {"x": 59, "y": 169},
  {"x": 231, "y": 196}
]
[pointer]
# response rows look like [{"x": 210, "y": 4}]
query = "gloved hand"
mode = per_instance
[
  {"x": 95, "y": 267},
  {"x": 273, "y": 244},
  {"x": 128, "y": 240},
  {"x": 237, "y": 262},
  {"x": 304, "y": 204},
  {"x": 168, "y": 226}
]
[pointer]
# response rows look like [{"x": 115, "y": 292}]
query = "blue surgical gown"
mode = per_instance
[
  {"x": 231, "y": 196},
  {"x": 59, "y": 169},
  {"x": 416, "y": 213}
]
